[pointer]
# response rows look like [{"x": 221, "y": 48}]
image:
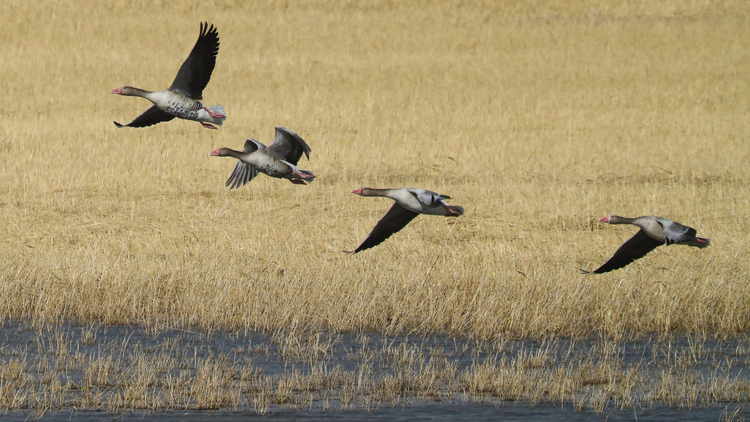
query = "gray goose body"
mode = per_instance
[
  {"x": 654, "y": 231},
  {"x": 278, "y": 160}
]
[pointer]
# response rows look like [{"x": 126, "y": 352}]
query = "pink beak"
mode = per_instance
[
  {"x": 357, "y": 191},
  {"x": 605, "y": 219},
  {"x": 216, "y": 152},
  {"x": 116, "y": 91}
]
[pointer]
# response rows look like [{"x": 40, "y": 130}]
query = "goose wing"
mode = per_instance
[
  {"x": 394, "y": 220},
  {"x": 636, "y": 247},
  {"x": 675, "y": 232},
  {"x": 288, "y": 146},
  {"x": 149, "y": 117},
  {"x": 196, "y": 70},
  {"x": 428, "y": 197},
  {"x": 251, "y": 145},
  {"x": 242, "y": 174}
]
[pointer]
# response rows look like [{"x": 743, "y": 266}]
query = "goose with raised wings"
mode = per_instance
[
  {"x": 182, "y": 98},
  {"x": 277, "y": 160}
]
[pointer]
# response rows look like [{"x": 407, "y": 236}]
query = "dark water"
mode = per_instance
[
  {"x": 415, "y": 412},
  {"x": 65, "y": 351}
]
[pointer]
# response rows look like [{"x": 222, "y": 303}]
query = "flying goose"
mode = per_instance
[
  {"x": 655, "y": 231},
  {"x": 182, "y": 98},
  {"x": 277, "y": 160},
  {"x": 410, "y": 203}
]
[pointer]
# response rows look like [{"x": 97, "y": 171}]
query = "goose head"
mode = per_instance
[{"x": 221, "y": 152}]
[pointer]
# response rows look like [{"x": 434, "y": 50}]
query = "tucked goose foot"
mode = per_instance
[
  {"x": 214, "y": 115},
  {"x": 297, "y": 182},
  {"x": 208, "y": 126},
  {"x": 304, "y": 174}
]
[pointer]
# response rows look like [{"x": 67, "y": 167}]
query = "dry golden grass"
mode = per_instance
[{"x": 538, "y": 118}]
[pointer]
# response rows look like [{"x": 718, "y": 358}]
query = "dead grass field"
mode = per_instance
[{"x": 538, "y": 118}]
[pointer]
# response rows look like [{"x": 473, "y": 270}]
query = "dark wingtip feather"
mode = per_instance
[
  {"x": 118, "y": 124},
  {"x": 195, "y": 72},
  {"x": 210, "y": 31},
  {"x": 229, "y": 181}
]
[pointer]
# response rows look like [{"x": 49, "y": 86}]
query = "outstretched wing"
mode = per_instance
[
  {"x": 149, "y": 117},
  {"x": 636, "y": 247},
  {"x": 288, "y": 146},
  {"x": 196, "y": 70},
  {"x": 244, "y": 172},
  {"x": 394, "y": 220}
]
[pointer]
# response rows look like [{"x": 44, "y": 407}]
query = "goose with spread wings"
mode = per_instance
[
  {"x": 277, "y": 160},
  {"x": 182, "y": 99},
  {"x": 655, "y": 231},
  {"x": 410, "y": 203}
]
